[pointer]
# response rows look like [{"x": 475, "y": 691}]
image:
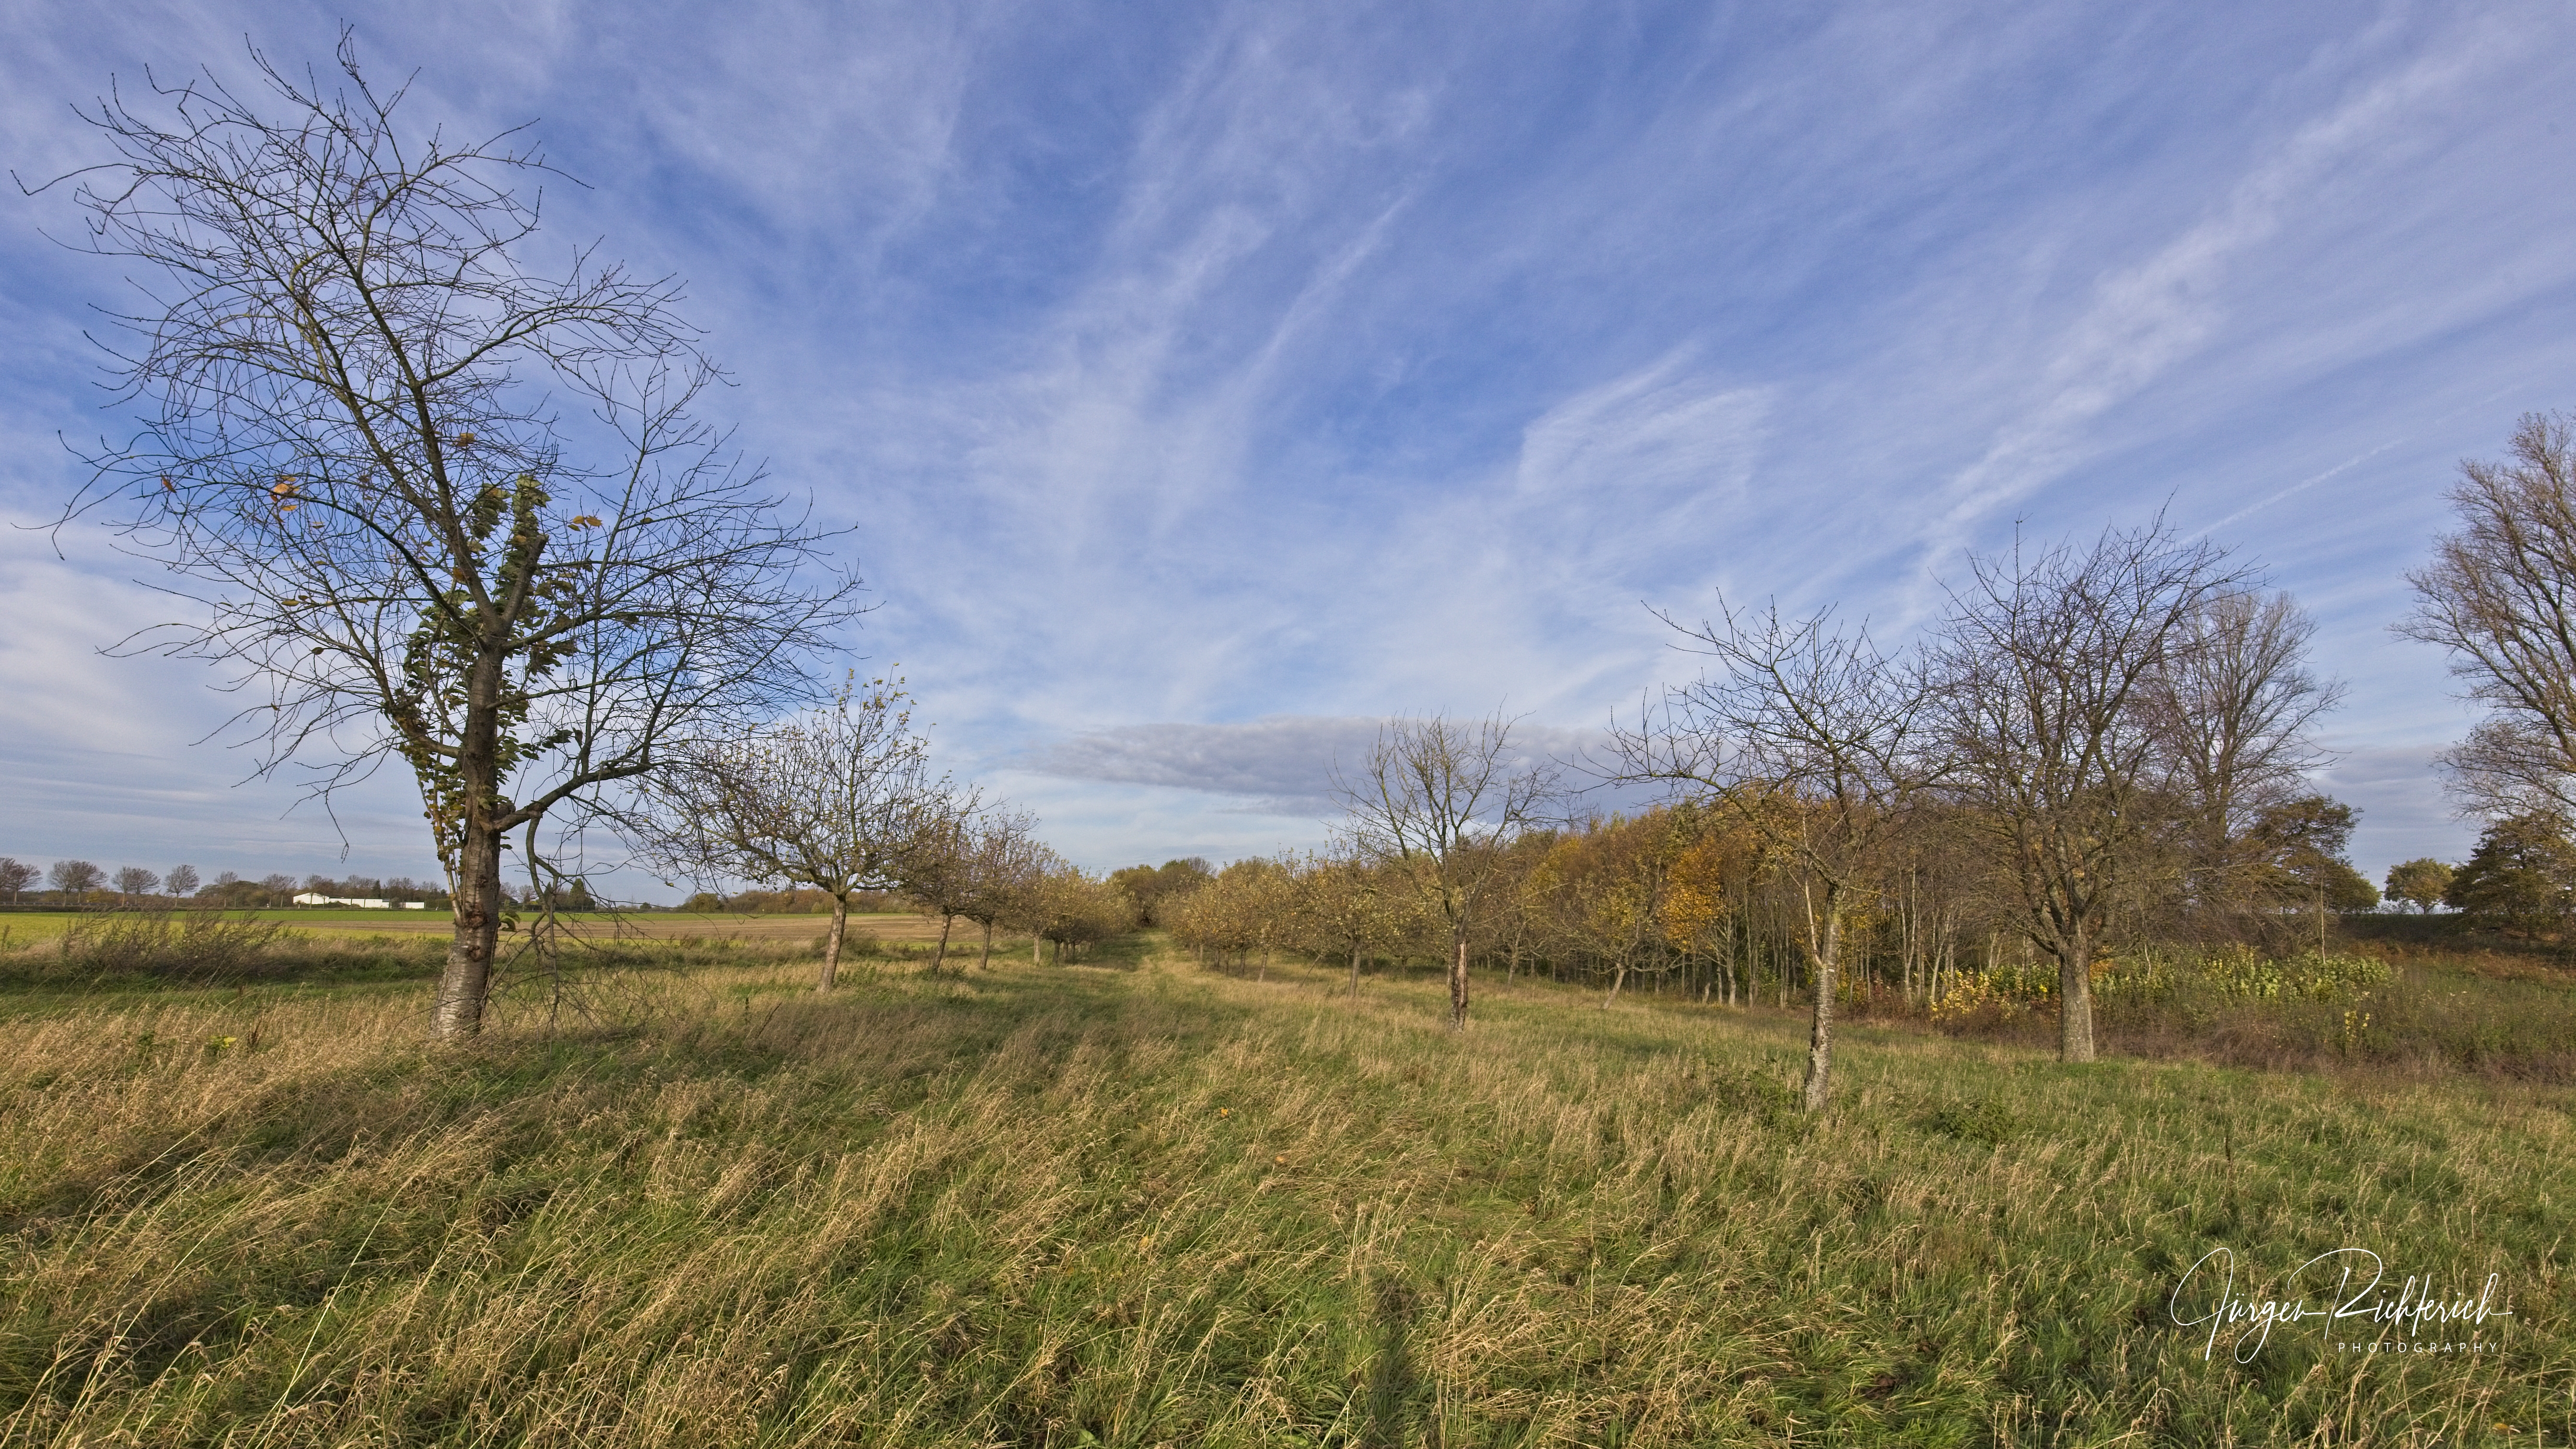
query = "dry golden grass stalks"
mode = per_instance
[{"x": 1055, "y": 1206}]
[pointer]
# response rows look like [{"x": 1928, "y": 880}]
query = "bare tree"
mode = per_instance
[
  {"x": 134, "y": 880},
  {"x": 76, "y": 878},
  {"x": 834, "y": 799},
  {"x": 936, "y": 866},
  {"x": 16, "y": 876},
  {"x": 1810, "y": 737},
  {"x": 182, "y": 881},
  {"x": 2234, "y": 704},
  {"x": 348, "y": 380},
  {"x": 2039, "y": 670},
  {"x": 1435, "y": 804},
  {"x": 2500, "y": 595}
]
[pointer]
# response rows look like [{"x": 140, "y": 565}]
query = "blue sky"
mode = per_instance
[{"x": 1208, "y": 381}]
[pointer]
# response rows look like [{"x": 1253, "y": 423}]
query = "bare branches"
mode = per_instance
[
  {"x": 1796, "y": 708},
  {"x": 2500, "y": 595},
  {"x": 2234, "y": 701},
  {"x": 840, "y": 798},
  {"x": 1437, "y": 800},
  {"x": 2040, "y": 670},
  {"x": 353, "y": 454},
  {"x": 1809, "y": 736},
  {"x": 2231, "y": 706}
]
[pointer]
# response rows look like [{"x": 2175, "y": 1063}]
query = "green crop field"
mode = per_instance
[{"x": 1141, "y": 1203}]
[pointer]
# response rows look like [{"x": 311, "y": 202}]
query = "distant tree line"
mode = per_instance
[
  {"x": 79, "y": 883},
  {"x": 73, "y": 884}
]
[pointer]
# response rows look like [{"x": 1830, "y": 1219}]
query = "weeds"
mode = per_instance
[{"x": 172, "y": 944}]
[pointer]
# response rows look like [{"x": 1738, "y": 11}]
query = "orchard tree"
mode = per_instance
[
  {"x": 936, "y": 866},
  {"x": 433, "y": 499},
  {"x": 1813, "y": 740},
  {"x": 1150, "y": 887},
  {"x": 1342, "y": 907},
  {"x": 2042, "y": 675},
  {"x": 1434, "y": 807},
  {"x": 1004, "y": 866},
  {"x": 1606, "y": 885},
  {"x": 1073, "y": 908},
  {"x": 839, "y": 798}
]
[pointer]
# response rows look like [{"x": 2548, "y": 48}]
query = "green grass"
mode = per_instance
[
  {"x": 24, "y": 928},
  {"x": 1135, "y": 1203}
]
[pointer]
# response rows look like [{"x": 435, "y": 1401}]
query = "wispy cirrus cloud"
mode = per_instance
[
  {"x": 1287, "y": 765},
  {"x": 1196, "y": 379}
]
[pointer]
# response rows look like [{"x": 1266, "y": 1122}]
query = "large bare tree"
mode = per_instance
[
  {"x": 2500, "y": 595},
  {"x": 1435, "y": 804},
  {"x": 431, "y": 500},
  {"x": 2039, "y": 670},
  {"x": 1811, "y": 737}
]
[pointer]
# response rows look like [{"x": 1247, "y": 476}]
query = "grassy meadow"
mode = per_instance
[{"x": 1134, "y": 1202}]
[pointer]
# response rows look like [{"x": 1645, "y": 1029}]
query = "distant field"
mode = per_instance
[{"x": 35, "y": 927}]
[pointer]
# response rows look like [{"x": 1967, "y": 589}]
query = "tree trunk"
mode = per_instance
[
  {"x": 1618, "y": 979},
  {"x": 2075, "y": 997},
  {"x": 1458, "y": 985},
  {"x": 940, "y": 957},
  {"x": 1355, "y": 973},
  {"x": 832, "y": 944},
  {"x": 985, "y": 961},
  {"x": 477, "y": 906},
  {"x": 1823, "y": 957}
]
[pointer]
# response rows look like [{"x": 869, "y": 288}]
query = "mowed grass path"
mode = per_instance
[{"x": 1077, "y": 1205}]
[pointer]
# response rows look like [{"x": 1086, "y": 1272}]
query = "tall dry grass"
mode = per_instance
[{"x": 1163, "y": 1207}]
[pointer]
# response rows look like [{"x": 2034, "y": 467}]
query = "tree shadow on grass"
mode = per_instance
[{"x": 1394, "y": 1384}]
